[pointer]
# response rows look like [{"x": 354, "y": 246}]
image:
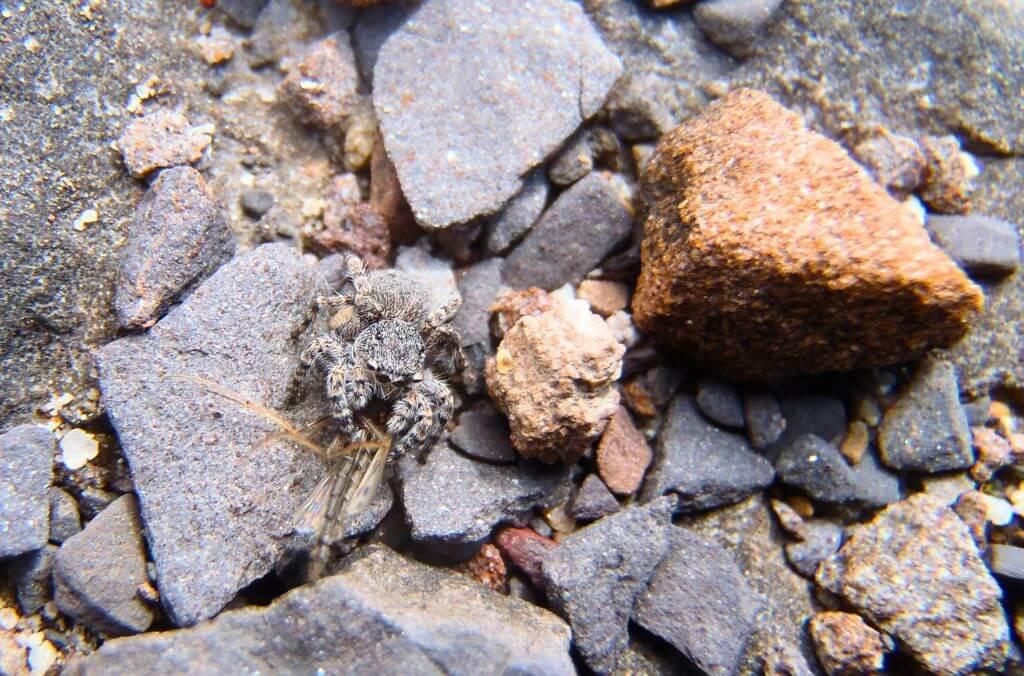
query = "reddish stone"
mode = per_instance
[
  {"x": 623, "y": 455},
  {"x": 323, "y": 88},
  {"x": 488, "y": 568},
  {"x": 846, "y": 645},
  {"x": 526, "y": 549}
]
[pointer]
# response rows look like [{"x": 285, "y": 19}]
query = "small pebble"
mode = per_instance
[
  {"x": 255, "y": 203},
  {"x": 64, "y": 518},
  {"x": 623, "y": 454},
  {"x": 846, "y": 645},
  {"x": 78, "y": 447},
  {"x": 765, "y": 422},
  {"x": 855, "y": 442},
  {"x": 993, "y": 453},
  {"x": 592, "y": 501},
  {"x": 526, "y": 549},
  {"x": 815, "y": 467},
  {"x": 605, "y": 298},
  {"x": 986, "y": 247},
  {"x": 1007, "y": 562},
  {"x": 720, "y": 402},
  {"x": 574, "y": 161}
]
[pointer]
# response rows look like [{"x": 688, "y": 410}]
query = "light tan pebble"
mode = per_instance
[
  {"x": 869, "y": 411},
  {"x": 41, "y": 655},
  {"x": 605, "y": 298},
  {"x": 559, "y": 520},
  {"x": 789, "y": 519},
  {"x": 217, "y": 47},
  {"x": 855, "y": 442},
  {"x": 801, "y": 505},
  {"x": 85, "y": 219},
  {"x": 8, "y": 618},
  {"x": 78, "y": 447}
]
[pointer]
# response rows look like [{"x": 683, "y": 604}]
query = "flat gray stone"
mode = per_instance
[
  {"x": 519, "y": 78},
  {"x": 26, "y": 469},
  {"x": 382, "y": 614},
  {"x": 817, "y": 468},
  {"x": 574, "y": 235},
  {"x": 592, "y": 501},
  {"x": 735, "y": 25},
  {"x": 479, "y": 285},
  {"x": 574, "y": 161},
  {"x": 721, "y": 402},
  {"x": 97, "y": 573},
  {"x": 31, "y": 575},
  {"x": 482, "y": 432},
  {"x": 765, "y": 422},
  {"x": 509, "y": 225},
  {"x": 65, "y": 520},
  {"x": 704, "y": 465},
  {"x": 982, "y": 245},
  {"x": 875, "y": 485},
  {"x": 212, "y": 502},
  {"x": 594, "y": 577}
]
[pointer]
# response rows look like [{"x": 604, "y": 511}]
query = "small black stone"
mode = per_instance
[
  {"x": 720, "y": 402},
  {"x": 255, "y": 203},
  {"x": 820, "y": 415},
  {"x": 31, "y": 573},
  {"x": 765, "y": 422},
  {"x": 482, "y": 432},
  {"x": 593, "y": 501},
  {"x": 817, "y": 468}
]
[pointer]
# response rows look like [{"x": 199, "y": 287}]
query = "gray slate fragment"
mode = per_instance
[
  {"x": 453, "y": 168},
  {"x": 821, "y": 539},
  {"x": 381, "y": 614},
  {"x": 255, "y": 203},
  {"x": 177, "y": 238},
  {"x": 706, "y": 466},
  {"x": 875, "y": 485},
  {"x": 64, "y": 518},
  {"x": 211, "y": 504},
  {"x": 817, "y": 468},
  {"x": 592, "y": 501},
  {"x": 820, "y": 415},
  {"x": 982, "y": 245},
  {"x": 594, "y": 577},
  {"x": 735, "y": 25},
  {"x": 26, "y": 469},
  {"x": 482, "y": 432},
  {"x": 31, "y": 575},
  {"x": 454, "y": 500},
  {"x": 97, "y": 572},
  {"x": 720, "y": 401},
  {"x": 699, "y": 601},
  {"x": 765, "y": 422},
  {"x": 574, "y": 235},
  {"x": 520, "y": 213},
  {"x": 926, "y": 429},
  {"x": 574, "y": 161}
]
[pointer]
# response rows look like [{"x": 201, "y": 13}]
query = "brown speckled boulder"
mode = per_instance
[{"x": 769, "y": 252}]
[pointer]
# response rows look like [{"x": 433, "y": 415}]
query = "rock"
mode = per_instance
[
  {"x": 735, "y": 25},
  {"x": 981, "y": 245},
  {"x": 700, "y": 603},
  {"x": 855, "y": 442},
  {"x": 31, "y": 574},
  {"x": 605, "y": 298},
  {"x": 387, "y": 199},
  {"x": 592, "y": 501},
  {"x": 488, "y": 568},
  {"x": 835, "y": 276},
  {"x": 511, "y": 306},
  {"x": 353, "y": 228},
  {"x": 322, "y": 88},
  {"x": 819, "y": 539},
  {"x": 162, "y": 139},
  {"x": 574, "y": 161},
  {"x": 704, "y": 465},
  {"x": 958, "y": 625},
  {"x": 519, "y": 214},
  {"x": 897, "y": 162},
  {"x": 821, "y": 415},
  {"x": 526, "y": 549},
  {"x": 94, "y": 500},
  {"x": 926, "y": 429},
  {"x": 846, "y": 645},
  {"x": 574, "y": 235},
  {"x": 482, "y": 433},
  {"x": 382, "y": 613},
  {"x": 480, "y": 285},
  {"x": 947, "y": 175},
  {"x": 623, "y": 454},
  {"x": 786, "y": 660},
  {"x": 97, "y": 572},
  {"x": 817, "y": 468},
  {"x": 594, "y": 577},
  {"x": 26, "y": 469},
  {"x": 720, "y": 402},
  {"x": 1007, "y": 562},
  {"x": 451, "y": 500},
  {"x": 993, "y": 452},
  {"x": 763, "y": 415},
  {"x": 874, "y": 485},
  {"x": 434, "y": 274},
  {"x": 191, "y": 451},
  {"x": 255, "y": 203},
  {"x": 64, "y": 518},
  {"x": 177, "y": 238},
  {"x": 244, "y": 12},
  {"x": 466, "y": 166},
  {"x": 552, "y": 376}
]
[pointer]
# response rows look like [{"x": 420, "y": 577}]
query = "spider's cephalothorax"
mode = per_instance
[{"x": 383, "y": 341}]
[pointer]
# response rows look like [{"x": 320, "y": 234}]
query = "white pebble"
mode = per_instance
[
  {"x": 77, "y": 448},
  {"x": 999, "y": 511}
]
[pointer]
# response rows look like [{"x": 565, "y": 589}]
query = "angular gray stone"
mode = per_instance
[
  {"x": 820, "y": 415},
  {"x": 64, "y": 518},
  {"x": 594, "y": 577},
  {"x": 26, "y": 469},
  {"x": 592, "y": 501},
  {"x": 573, "y": 236},
  {"x": 382, "y": 614},
  {"x": 31, "y": 575},
  {"x": 211, "y": 500},
  {"x": 453, "y": 168},
  {"x": 721, "y": 402},
  {"x": 255, "y": 203},
  {"x": 375, "y": 25},
  {"x": 177, "y": 238},
  {"x": 982, "y": 245},
  {"x": 735, "y": 25},
  {"x": 875, "y": 485},
  {"x": 482, "y": 432},
  {"x": 479, "y": 285},
  {"x": 452, "y": 500},
  {"x": 574, "y": 161},
  {"x": 98, "y": 572},
  {"x": 765, "y": 422},
  {"x": 817, "y": 468},
  {"x": 704, "y": 465},
  {"x": 926, "y": 429},
  {"x": 520, "y": 213},
  {"x": 699, "y": 601},
  {"x": 820, "y": 540}
]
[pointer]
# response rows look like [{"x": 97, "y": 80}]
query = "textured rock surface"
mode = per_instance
[
  {"x": 982, "y": 245},
  {"x": 735, "y": 25},
  {"x": 699, "y": 602},
  {"x": 845, "y": 644},
  {"x": 323, "y": 87},
  {"x": 819, "y": 539},
  {"x": 178, "y": 236},
  {"x": 720, "y": 402},
  {"x": 482, "y": 432},
  {"x": 844, "y": 275},
  {"x": 31, "y": 575},
  {"x": 765, "y": 422},
  {"x": 821, "y": 415},
  {"x": 592, "y": 501},
  {"x": 520, "y": 213},
  {"x": 584, "y": 225},
  {"x": 884, "y": 568},
  {"x": 526, "y": 549},
  {"x": 465, "y": 165},
  {"x": 623, "y": 454},
  {"x": 381, "y": 614},
  {"x": 98, "y": 572},
  {"x": 553, "y": 376},
  {"x": 596, "y": 575},
  {"x": 435, "y": 274},
  {"x": 605, "y": 298},
  {"x": 161, "y": 139},
  {"x": 191, "y": 451},
  {"x": 26, "y": 469},
  {"x": 65, "y": 520},
  {"x": 817, "y": 468},
  {"x": 704, "y": 465}
]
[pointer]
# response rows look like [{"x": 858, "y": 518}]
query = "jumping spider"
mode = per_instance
[{"x": 383, "y": 342}]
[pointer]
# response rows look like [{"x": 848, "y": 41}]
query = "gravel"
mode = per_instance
[
  {"x": 984, "y": 246},
  {"x": 509, "y": 225},
  {"x": 845, "y": 644},
  {"x": 482, "y": 433},
  {"x": 255, "y": 203},
  {"x": 479, "y": 285},
  {"x": 31, "y": 575},
  {"x": 817, "y": 468},
  {"x": 162, "y": 139},
  {"x": 820, "y": 539},
  {"x": 322, "y": 88},
  {"x": 721, "y": 402},
  {"x": 592, "y": 501},
  {"x": 820, "y": 415},
  {"x": 736, "y": 25},
  {"x": 1007, "y": 562},
  {"x": 26, "y": 469},
  {"x": 623, "y": 454},
  {"x": 765, "y": 422},
  {"x": 64, "y": 518},
  {"x": 574, "y": 161}
]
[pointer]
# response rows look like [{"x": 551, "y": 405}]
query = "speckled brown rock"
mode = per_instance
[
  {"x": 846, "y": 645},
  {"x": 488, "y": 568},
  {"x": 351, "y": 225},
  {"x": 897, "y": 162},
  {"x": 769, "y": 252},
  {"x": 947, "y": 176},
  {"x": 512, "y": 306},
  {"x": 915, "y": 572},
  {"x": 623, "y": 454},
  {"x": 161, "y": 139},
  {"x": 322, "y": 88},
  {"x": 552, "y": 376}
]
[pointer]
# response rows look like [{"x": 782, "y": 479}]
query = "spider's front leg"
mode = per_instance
[
  {"x": 445, "y": 346},
  {"x": 419, "y": 417},
  {"x": 350, "y": 388}
]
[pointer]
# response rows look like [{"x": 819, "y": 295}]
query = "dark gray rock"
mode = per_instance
[
  {"x": 479, "y": 285},
  {"x": 211, "y": 500},
  {"x": 592, "y": 501},
  {"x": 983, "y": 246},
  {"x": 821, "y": 539},
  {"x": 244, "y": 12},
  {"x": 875, "y": 485},
  {"x": 470, "y": 164},
  {"x": 26, "y": 469},
  {"x": 926, "y": 429},
  {"x": 31, "y": 575},
  {"x": 735, "y": 25},
  {"x": 594, "y": 577},
  {"x": 453, "y": 500},
  {"x": 765, "y": 422},
  {"x": 94, "y": 500},
  {"x": 381, "y": 614},
  {"x": 482, "y": 432},
  {"x": 64, "y": 518},
  {"x": 520, "y": 213},
  {"x": 255, "y": 203},
  {"x": 706, "y": 466},
  {"x": 97, "y": 573},
  {"x": 178, "y": 236},
  {"x": 820, "y": 415},
  {"x": 698, "y": 601},
  {"x": 721, "y": 402},
  {"x": 817, "y": 468},
  {"x": 374, "y": 26},
  {"x": 574, "y": 235},
  {"x": 574, "y": 161}
]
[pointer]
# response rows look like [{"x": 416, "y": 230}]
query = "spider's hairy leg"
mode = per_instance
[
  {"x": 445, "y": 346},
  {"x": 419, "y": 417},
  {"x": 443, "y": 314},
  {"x": 350, "y": 387},
  {"x": 324, "y": 350}
]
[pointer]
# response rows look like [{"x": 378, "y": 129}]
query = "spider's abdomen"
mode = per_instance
[
  {"x": 391, "y": 348},
  {"x": 401, "y": 296}
]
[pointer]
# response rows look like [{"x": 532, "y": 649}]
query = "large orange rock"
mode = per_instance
[{"x": 769, "y": 252}]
